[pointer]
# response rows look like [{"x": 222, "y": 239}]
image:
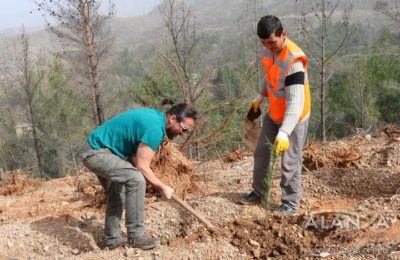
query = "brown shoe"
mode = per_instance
[{"x": 144, "y": 242}]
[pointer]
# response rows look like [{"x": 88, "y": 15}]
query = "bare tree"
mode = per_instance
[
  {"x": 251, "y": 44},
  {"x": 185, "y": 60},
  {"x": 79, "y": 23},
  {"x": 316, "y": 24}
]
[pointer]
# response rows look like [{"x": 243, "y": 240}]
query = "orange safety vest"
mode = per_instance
[{"x": 275, "y": 74}]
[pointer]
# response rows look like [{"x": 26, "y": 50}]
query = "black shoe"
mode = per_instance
[
  {"x": 144, "y": 242},
  {"x": 123, "y": 242},
  {"x": 285, "y": 209},
  {"x": 250, "y": 198}
]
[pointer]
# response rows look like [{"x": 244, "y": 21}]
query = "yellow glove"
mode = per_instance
[
  {"x": 281, "y": 143},
  {"x": 255, "y": 104}
]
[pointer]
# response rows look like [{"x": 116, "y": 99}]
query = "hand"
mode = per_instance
[
  {"x": 255, "y": 110},
  {"x": 255, "y": 104},
  {"x": 166, "y": 192},
  {"x": 281, "y": 143}
]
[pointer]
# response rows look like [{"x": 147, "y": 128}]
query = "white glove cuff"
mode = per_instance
[{"x": 282, "y": 135}]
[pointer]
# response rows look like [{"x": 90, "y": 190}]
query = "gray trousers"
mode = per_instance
[
  {"x": 115, "y": 173},
  {"x": 291, "y": 161}
]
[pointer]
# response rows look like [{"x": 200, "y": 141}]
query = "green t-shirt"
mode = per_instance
[{"x": 123, "y": 133}]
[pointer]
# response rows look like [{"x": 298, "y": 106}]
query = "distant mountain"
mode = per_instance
[{"x": 220, "y": 16}]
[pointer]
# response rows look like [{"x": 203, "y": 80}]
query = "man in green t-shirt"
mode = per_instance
[{"x": 120, "y": 155}]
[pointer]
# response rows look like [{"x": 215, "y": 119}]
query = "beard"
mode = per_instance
[{"x": 171, "y": 135}]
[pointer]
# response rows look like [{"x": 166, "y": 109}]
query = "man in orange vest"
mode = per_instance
[{"x": 286, "y": 122}]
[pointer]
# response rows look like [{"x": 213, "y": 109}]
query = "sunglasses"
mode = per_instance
[{"x": 184, "y": 129}]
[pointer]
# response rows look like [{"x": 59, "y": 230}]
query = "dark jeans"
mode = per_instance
[{"x": 115, "y": 173}]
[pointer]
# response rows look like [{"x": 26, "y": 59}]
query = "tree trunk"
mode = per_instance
[
  {"x": 321, "y": 13},
  {"x": 361, "y": 86},
  {"x": 29, "y": 89},
  {"x": 36, "y": 145},
  {"x": 98, "y": 114},
  {"x": 323, "y": 72},
  {"x": 322, "y": 108}
]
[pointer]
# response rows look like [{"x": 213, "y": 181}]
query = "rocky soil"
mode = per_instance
[{"x": 350, "y": 208}]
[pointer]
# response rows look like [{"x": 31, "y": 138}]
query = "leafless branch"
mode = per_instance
[
  {"x": 225, "y": 121},
  {"x": 176, "y": 70}
]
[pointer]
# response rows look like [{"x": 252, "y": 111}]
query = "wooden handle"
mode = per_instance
[{"x": 194, "y": 213}]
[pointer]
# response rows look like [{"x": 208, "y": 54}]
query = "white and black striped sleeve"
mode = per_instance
[{"x": 294, "y": 93}]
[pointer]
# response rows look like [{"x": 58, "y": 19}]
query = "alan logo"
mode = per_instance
[{"x": 328, "y": 220}]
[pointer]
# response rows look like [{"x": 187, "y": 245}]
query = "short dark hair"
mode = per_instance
[
  {"x": 182, "y": 111},
  {"x": 267, "y": 25}
]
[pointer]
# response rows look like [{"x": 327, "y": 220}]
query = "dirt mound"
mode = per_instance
[
  {"x": 384, "y": 156},
  {"x": 270, "y": 236},
  {"x": 361, "y": 151},
  {"x": 352, "y": 183},
  {"x": 338, "y": 154},
  {"x": 88, "y": 184},
  {"x": 393, "y": 132},
  {"x": 17, "y": 183},
  {"x": 173, "y": 168},
  {"x": 273, "y": 236}
]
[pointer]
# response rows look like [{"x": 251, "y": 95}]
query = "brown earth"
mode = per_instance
[{"x": 350, "y": 208}]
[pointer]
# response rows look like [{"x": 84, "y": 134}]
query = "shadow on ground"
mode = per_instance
[{"x": 85, "y": 235}]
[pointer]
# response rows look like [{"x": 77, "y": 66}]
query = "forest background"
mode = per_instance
[{"x": 58, "y": 84}]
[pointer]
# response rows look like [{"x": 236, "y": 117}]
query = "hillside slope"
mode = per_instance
[{"x": 350, "y": 208}]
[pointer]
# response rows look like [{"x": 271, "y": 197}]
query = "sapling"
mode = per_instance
[{"x": 266, "y": 200}]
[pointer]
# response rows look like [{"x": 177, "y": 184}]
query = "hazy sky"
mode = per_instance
[{"x": 15, "y": 13}]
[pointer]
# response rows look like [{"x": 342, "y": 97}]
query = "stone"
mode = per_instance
[
  {"x": 130, "y": 252},
  {"x": 275, "y": 253},
  {"x": 254, "y": 243},
  {"x": 256, "y": 252},
  {"x": 324, "y": 254}
]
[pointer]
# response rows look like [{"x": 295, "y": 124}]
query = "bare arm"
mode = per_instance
[{"x": 142, "y": 160}]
